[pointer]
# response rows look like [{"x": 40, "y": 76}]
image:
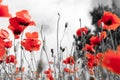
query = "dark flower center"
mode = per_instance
[
  {"x": 18, "y": 32},
  {"x": 24, "y": 23},
  {"x": 109, "y": 22}
]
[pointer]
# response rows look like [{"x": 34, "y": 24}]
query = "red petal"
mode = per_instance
[
  {"x": 24, "y": 15},
  {"x": 4, "y": 11}
]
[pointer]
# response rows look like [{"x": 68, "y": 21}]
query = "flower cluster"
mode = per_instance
[
  {"x": 9, "y": 61},
  {"x": 100, "y": 48}
]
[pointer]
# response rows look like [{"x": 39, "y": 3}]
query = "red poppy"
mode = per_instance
[
  {"x": 80, "y": 31},
  {"x": 2, "y": 49},
  {"x": 111, "y": 61},
  {"x": 4, "y": 11},
  {"x": 49, "y": 71},
  {"x": 103, "y": 35},
  {"x": 8, "y": 44},
  {"x": 93, "y": 60},
  {"x": 19, "y": 69},
  {"x": 4, "y": 34},
  {"x": 19, "y": 23},
  {"x": 95, "y": 40},
  {"x": 110, "y": 20},
  {"x": 10, "y": 59},
  {"x": 31, "y": 44},
  {"x": 69, "y": 60},
  {"x": 89, "y": 48},
  {"x": 68, "y": 70},
  {"x": 50, "y": 77},
  {"x": 99, "y": 56},
  {"x": 31, "y": 35},
  {"x": 24, "y": 15}
]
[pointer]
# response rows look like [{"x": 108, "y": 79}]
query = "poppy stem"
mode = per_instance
[
  {"x": 6, "y": 72},
  {"x": 58, "y": 56},
  {"x": 112, "y": 39},
  {"x": 80, "y": 22}
]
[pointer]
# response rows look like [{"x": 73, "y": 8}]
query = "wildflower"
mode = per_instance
[
  {"x": 69, "y": 60},
  {"x": 110, "y": 20},
  {"x": 32, "y": 35},
  {"x": 111, "y": 61},
  {"x": 68, "y": 70},
  {"x": 50, "y": 77},
  {"x": 95, "y": 40},
  {"x": 93, "y": 60},
  {"x": 11, "y": 59},
  {"x": 49, "y": 74},
  {"x": 20, "y": 22},
  {"x": 103, "y": 35},
  {"x": 80, "y": 31},
  {"x": 19, "y": 69},
  {"x": 48, "y": 71},
  {"x": 89, "y": 48},
  {"x": 31, "y": 43},
  {"x": 8, "y": 44}
]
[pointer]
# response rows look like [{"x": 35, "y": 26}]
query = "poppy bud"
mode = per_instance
[{"x": 66, "y": 25}]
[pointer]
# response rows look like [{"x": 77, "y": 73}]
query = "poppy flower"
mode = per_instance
[
  {"x": 4, "y": 12},
  {"x": 19, "y": 23},
  {"x": 110, "y": 20},
  {"x": 10, "y": 59},
  {"x": 80, "y": 31},
  {"x": 31, "y": 35},
  {"x": 2, "y": 49},
  {"x": 111, "y": 61},
  {"x": 89, "y": 48},
  {"x": 103, "y": 35},
  {"x": 95, "y": 40},
  {"x": 24, "y": 15},
  {"x": 93, "y": 60},
  {"x": 19, "y": 69},
  {"x": 50, "y": 77},
  {"x": 68, "y": 70},
  {"x": 49, "y": 71},
  {"x": 8, "y": 44},
  {"x": 31, "y": 44},
  {"x": 4, "y": 34},
  {"x": 69, "y": 60}
]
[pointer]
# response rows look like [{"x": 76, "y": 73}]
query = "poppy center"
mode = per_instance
[
  {"x": 24, "y": 23},
  {"x": 109, "y": 22},
  {"x": 18, "y": 32}
]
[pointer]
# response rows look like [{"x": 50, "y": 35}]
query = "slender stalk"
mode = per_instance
[
  {"x": 58, "y": 56},
  {"x": 112, "y": 40},
  {"x": 6, "y": 72}
]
